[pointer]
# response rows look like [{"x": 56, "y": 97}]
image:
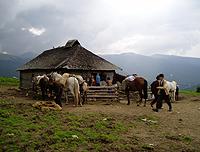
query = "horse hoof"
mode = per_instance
[
  {"x": 128, "y": 103},
  {"x": 144, "y": 105},
  {"x": 138, "y": 105}
]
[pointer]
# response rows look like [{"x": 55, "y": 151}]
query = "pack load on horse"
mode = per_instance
[
  {"x": 131, "y": 77},
  {"x": 66, "y": 82}
]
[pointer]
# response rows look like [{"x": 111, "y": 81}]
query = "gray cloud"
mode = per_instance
[{"x": 106, "y": 26}]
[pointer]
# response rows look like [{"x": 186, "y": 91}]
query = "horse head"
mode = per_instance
[
  {"x": 66, "y": 75},
  {"x": 80, "y": 79}
]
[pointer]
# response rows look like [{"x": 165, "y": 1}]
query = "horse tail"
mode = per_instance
[{"x": 145, "y": 89}]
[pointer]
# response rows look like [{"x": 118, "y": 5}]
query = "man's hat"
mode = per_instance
[{"x": 161, "y": 75}]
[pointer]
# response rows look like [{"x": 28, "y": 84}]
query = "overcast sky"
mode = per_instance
[{"x": 102, "y": 26}]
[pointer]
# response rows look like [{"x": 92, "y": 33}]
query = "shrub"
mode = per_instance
[{"x": 198, "y": 89}]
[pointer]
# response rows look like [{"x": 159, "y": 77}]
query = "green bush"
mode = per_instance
[{"x": 198, "y": 89}]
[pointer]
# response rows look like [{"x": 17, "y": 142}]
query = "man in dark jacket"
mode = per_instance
[{"x": 163, "y": 94}]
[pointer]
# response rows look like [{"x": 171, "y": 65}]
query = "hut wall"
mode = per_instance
[
  {"x": 88, "y": 73},
  {"x": 26, "y": 75},
  {"x": 26, "y": 78}
]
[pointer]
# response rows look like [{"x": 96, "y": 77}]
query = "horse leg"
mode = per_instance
[
  {"x": 140, "y": 101},
  {"x": 59, "y": 92},
  {"x": 174, "y": 95},
  {"x": 66, "y": 98},
  {"x": 43, "y": 92},
  {"x": 128, "y": 97},
  {"x": 83, "y": 98},
  {"x": 76, "y": 97},
  {"x": 79, "y": 99},
  {"x": 145, "y": 101}
]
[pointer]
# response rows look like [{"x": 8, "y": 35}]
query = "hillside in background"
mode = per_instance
[
  {"x": 184, "y": 70},
  {"x": 9, "y": 63}
]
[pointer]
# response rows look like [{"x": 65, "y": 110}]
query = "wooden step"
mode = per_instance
[
  {"x": 99, "y": 96},
  {"x": 99, "y": 93},
  {"x": 101, "y": 87},
  {"x": 93, "y": 91}
]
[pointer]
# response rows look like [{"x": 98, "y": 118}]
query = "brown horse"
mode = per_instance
[{"x": 138, "y": 84}]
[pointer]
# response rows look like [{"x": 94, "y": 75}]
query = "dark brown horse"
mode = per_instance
[
  {"x": 138, "y": 84},
  {"x": 42, "y": 82}
]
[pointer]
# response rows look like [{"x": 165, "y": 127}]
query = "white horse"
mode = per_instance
[
  {"x": 70, "y": 83},
  {"x": 172, "y": 89},
  {"x": 73, "y": 85},
  {"x": 83, "y": 86},
  {"x": 60, "y": 79}
]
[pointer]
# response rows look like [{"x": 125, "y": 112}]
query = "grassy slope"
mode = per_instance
[
  {"x": 9, "y": 81},
  {"x": 188, "y": 92}
]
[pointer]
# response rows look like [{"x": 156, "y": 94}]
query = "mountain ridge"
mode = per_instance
[{"x": 184, "y": 70}]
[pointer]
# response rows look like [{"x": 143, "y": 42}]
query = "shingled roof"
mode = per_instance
[{"x": 70, "y": 56}]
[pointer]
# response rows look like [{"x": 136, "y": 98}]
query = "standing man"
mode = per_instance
[
  {"x": 109, "y": 82},
  {"x": 163, "y": 94},
  {"x": 98, "y": 79}
]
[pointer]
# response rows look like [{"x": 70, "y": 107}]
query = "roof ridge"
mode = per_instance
[{"x": 67, "y": 60}]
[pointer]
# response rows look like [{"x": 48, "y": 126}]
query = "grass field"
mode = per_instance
[
  {"x": 189, "y": 92},
  {"x": 5, "y": 81}
]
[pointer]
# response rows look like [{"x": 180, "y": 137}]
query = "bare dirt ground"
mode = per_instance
[{"x": 148, "y": 131}]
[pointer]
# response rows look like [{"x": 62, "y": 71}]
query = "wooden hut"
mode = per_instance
[{"x": 71, "y": 58}]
